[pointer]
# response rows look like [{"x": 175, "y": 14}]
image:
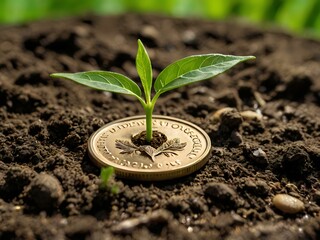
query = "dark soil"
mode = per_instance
[
  {"x": 49, "y": 187},
  {"x": 157, "y": 140}
]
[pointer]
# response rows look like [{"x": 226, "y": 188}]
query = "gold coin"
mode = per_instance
[{"x": 186, "y": 150}]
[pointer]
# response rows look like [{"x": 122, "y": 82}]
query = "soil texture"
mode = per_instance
[
  {"x": 265, "y": 140},
  {"x": 157, "y": 140}
]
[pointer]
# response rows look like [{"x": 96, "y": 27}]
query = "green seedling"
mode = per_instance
[
  {"x": 105, "y": 176},
  {"x": 180, "y": 73}
]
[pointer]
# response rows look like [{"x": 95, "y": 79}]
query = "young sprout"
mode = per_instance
[
  {"x": 180, "y": 73},
  {"x": 105, "y": 175}
]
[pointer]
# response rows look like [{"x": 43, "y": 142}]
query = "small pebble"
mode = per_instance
[
  {"x": 259, "y": 153},
  {"x": 150, "y": 31},
  {"x": 287, "y": 203},
  {"x": 218, "y": 113},
  {"x": 189, "y": 37},
  {"x": 45, "y": 192},
  {"x": 82, "y": 31},
  {"x": 250, "y": 115},
  {"x": 263, "y": 187},
  {"x": 230, "y": 121}
]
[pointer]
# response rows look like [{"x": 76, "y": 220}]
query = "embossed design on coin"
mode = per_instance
[
  {"x": 186, "y": 150},
  {"x": 168, "y": 148}
]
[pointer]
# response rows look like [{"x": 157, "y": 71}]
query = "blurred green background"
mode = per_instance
[{"x": 301, "y": 16}]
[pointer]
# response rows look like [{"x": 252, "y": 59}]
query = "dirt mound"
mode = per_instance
[{"x": 45, "y": 125}]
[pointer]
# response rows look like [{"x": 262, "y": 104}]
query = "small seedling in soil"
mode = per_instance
[
  {"x": 180, "y": 73},
  {"x": 105, "y": 176}
]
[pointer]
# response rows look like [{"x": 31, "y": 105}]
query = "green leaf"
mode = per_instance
[
  {"x": 195, "y": 68},
  {"x": 144, "y": 69},
  {"x": 105, "y": 81}
]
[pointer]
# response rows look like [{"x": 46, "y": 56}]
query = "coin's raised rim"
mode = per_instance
[{"x": 145, "y": 174}]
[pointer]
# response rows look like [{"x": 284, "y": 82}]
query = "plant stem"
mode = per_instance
[{"x": 149, "y": 110}]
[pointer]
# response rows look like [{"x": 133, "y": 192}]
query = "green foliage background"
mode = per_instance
[{"x": 296, "y": 15}]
